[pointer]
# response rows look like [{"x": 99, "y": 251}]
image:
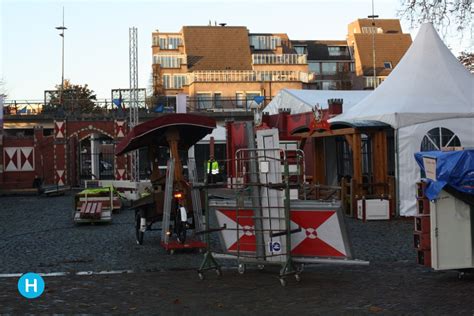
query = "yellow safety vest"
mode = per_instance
[{"x": 213, "y": 168}]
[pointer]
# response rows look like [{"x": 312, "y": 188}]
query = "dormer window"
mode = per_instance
[
  {"x": 387, "y": 65},
  {"x": 301, "y": 49},
  {"x": 338, "y": 51},
  {"x": 264, "y": 42}
]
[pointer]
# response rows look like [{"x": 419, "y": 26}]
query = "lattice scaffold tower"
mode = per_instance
[{"x": 133, "y": 109}]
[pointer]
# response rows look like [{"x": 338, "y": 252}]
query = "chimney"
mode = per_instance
[{"x": 335, "y": 107}]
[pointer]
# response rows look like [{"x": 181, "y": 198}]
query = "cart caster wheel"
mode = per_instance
[
  {"x": 261, "y": 267},
  {"x": 282, "y": 282},
  {"x": 300, "y": 268},
  {"x": 138, "y": 233},
  {"x": 202, "y": 250},
  {"x": 219, "y": 272},
  {"x": 171, "y": 251},
  {"x": 297, "y": 277},
  {"x": 201, "y": 276},
  {"x": 461, "y": 275},
  {"x": 241, "y": 268}
]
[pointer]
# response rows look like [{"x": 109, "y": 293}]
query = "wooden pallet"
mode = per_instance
[{"x": 91, "y": 210}]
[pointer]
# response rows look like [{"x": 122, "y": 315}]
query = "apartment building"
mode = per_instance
[
  {"x": 382, "y": 38},
  {"x": 222, "y": 67},
  {"x": 330, "y": 64}
]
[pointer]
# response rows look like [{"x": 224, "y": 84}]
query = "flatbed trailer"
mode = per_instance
[{"x": 96, "y": 205}]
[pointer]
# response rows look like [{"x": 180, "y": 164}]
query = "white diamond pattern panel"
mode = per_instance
[{"x": 19, "y": 158}]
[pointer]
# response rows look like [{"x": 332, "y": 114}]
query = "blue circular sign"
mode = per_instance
[
  {"x": 31, "y": 285},
  {"x": 276, "y": 246}
]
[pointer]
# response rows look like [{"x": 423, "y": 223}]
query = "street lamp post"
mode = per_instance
[
  {"x": 374, "y": 30},
  {"x": 62, "y": 28}
]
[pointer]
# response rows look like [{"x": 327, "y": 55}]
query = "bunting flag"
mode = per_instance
[
  {"x": 259, "y": 99},
  {"x": 118, "y": 103},
  {"x": 159, "y": 108}
]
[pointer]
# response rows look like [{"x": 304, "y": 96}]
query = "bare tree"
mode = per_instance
[
  {"x": 73, "y": 99},
  {"x": 3, "y": 90},
  {"x": 467, "y": 59},
  {"x": 442, "y": 13}
]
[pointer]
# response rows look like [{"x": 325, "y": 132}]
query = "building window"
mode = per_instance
[
  {"x": 179, "y": 81},
  {"x": 338, "y": 51},
  {"x": 387, "y": 65},
  {"x": 169, "y": 42},
  {"x": 204, "y": 101},
  {"x": 438, "y": 138},
  {"x": 372, "y": 29},
  {"x": 329, "y": 68},
  {"x": 369, "y": 82},
  {"x": 329, "y": 85},
  {"x": 301, "y": 49},
  {"x": 218, "y": 100},
  {"x": 264, "y": 42},
  {"x": 239, "y": 100},
  {"x": 168, "y": 61},
  {"x": 314, "y": 68},
  {"x": 166, "y": 81}
]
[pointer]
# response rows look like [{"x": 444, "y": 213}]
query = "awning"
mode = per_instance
[
  {"x": 358, "y": 124},
  {"x": 191, "y": 128}
]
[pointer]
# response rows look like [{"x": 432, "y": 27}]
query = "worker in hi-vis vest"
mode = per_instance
[{"x": 212, "y": 170}]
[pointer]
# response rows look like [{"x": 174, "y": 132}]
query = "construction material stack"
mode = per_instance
[
  {"x": 261, "y": 223},
  {"x": 422, "y": 232},
  {"x": 449, "y": 188},
  {"x": 96, "y": 205}
]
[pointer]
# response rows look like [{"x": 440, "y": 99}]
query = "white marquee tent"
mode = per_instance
[
  {"x": 300, "y": 101},
  {"x": 427, "y": 99}
]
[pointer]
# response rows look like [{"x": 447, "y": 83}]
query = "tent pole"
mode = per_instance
[{"x": 397, "y": 174}]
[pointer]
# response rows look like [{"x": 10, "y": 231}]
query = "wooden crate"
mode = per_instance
[{"x": 422, "y": 241}]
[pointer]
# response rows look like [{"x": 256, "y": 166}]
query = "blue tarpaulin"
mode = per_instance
[{"x": 453, "y": 168}]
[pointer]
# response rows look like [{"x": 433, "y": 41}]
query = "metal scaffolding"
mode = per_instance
[{"x": 133, "y": 117}]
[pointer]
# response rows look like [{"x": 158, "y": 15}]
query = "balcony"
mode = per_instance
[
  {"x": 283, "y": 59},
  {"x": 167, "y": 42},
  {"x": 246, "y": 76},
  {"x": 221, "y": 104},
  {"x": 170, "y": 61}
]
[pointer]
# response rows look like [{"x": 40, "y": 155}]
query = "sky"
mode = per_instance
[{"x": 97, "y": 36}]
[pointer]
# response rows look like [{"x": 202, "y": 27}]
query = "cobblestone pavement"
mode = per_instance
[{"x": 37, "y": 234}]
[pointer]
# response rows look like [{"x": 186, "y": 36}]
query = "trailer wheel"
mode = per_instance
[
  {"x": 138, "y": 233},
  {"x": 180, "y": 229},
  {"x": 241, "y": 268}
]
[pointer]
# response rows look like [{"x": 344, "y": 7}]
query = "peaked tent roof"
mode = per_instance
[
  {"x": 300, "y": 101},
  {"x": 428, "y": 84}
]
